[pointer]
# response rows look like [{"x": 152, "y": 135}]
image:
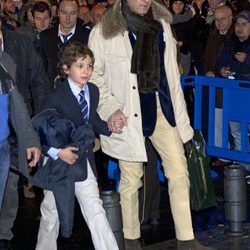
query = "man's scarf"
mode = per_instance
[{"x": 145, "y": 59}]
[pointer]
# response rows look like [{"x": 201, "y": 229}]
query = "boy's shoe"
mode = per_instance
[{"x": 191, "y": 245}]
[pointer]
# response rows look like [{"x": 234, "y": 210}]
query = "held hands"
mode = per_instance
[
  {"x": 67, "y": 155},
  {"x": 33, "y": 156},
  {"x": 117, "y": 121}
]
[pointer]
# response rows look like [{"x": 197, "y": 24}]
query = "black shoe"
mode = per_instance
[
  {"x": 191, "y": 245},
  {"x": 155, "y": 222},
  {"x": 5, "y": 245},
  {"x": 132, "y": 244}
]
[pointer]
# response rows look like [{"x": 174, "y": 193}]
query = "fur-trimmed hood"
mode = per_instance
[{"x": 113, "y": 22}]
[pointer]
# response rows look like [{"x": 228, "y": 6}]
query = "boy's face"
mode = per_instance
[{"x": 80, "y": 71}]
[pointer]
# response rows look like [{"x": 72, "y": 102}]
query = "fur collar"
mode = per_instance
[{"x": 113, "y": 22}]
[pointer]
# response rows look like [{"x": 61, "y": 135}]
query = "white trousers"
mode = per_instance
[{"x": 87, "y": 194}]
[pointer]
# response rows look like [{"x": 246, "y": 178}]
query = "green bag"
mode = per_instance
[{"x": 202, "y": 193}]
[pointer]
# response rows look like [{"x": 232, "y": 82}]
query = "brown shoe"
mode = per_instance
[
  {"x": 191, "y": 245},
  {"x": 132, "y": 244}
]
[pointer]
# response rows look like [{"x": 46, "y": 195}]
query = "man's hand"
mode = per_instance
[
  {"x": 240, "y": 56},
  {"x": 210, "y": 74},
  {"x": 67, "y": 155},
  {"x": 33, "y": 156},
  {"x": 117, "y": 121}
]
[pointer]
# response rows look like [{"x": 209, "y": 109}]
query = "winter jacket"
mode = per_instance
[{"x": 111, "y": 45}]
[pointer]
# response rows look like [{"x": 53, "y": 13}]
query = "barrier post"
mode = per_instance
[
  {"x": 112, "y": 207},
  {"x": 235, "y": 199}
]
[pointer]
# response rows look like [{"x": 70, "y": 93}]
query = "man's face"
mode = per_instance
[
  {"x": 68, "y": 13},
  {"x": 140, "y": 7},
  {"x": 242, "y": 29},
  {"x": 41, "y": 20},
  {"x": 223, "y": 20},
  {"x": 96, "y": 13},
  {"x": 111, "y": 2},
  {"x": 214, "y": 3},
  {"x": 10, "y": 6}
]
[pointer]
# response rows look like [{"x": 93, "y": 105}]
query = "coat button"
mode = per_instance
[
  {"x": 135, "y": 115},
  {"x": 134, "y": 87}
]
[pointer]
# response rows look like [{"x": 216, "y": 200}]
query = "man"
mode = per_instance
[
  {"x": 222, "y": 32},
  {"x": 96, "y": 13},
  {"x": 13, "y": 106},
  {"x": 10, "y": 15},
  {"x": 136, "y": 71},
  {"x": 54, "y": 40},
  {"x": 217, "y": 37},
  {"x": 234, "y": 62},
  {"x": 234, "y": 57},
  {"x": 41, "y": 18},
  {"x": 26, "y": 69}
]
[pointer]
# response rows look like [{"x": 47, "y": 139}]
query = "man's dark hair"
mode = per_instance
[{"x": 40, "y": 7}]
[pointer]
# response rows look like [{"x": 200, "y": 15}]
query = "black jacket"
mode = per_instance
[
  {"x": 30, "y": 76},
  {"x": 51, "y": 48}
]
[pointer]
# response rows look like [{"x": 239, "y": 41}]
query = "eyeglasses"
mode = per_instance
[{"x": 81, "y": 66}]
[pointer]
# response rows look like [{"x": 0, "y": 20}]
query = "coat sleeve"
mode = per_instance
[
  {"x": 26, "y": 135},
  {"x": 39, "y": 83},
  {"x": 108, "y": 103}
]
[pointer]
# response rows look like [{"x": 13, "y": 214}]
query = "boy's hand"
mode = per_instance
[
  {"x": 67, "y": 155},
  {"x": 118, "y": 125},
  {"x": 117, "y": 121}
]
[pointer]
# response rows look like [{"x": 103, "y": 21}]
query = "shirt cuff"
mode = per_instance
[{"x": 53, "y": 153}]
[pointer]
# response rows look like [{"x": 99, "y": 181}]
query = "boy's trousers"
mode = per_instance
[{"x": 87, "y": 194}]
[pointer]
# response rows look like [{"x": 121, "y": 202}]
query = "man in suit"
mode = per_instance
[
  {"x": 78, "y": 95},
  {"x": 53, "y": 40}
]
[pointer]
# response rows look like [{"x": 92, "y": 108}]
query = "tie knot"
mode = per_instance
[
  {"x": 81, "y": 94},
  {"x": 65, "y": 37}
]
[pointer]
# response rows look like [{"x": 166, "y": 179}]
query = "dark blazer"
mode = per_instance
[
  {"x": 63, "y": 100},
  {"x": 51, "y": 47}
]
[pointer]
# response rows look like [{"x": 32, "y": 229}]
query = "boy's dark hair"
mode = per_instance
[
  {"x": 40, "y": 7},
  {"x": 72, "y": 52}
]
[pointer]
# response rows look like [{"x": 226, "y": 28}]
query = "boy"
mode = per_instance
[{"x": 75, "y": 101}]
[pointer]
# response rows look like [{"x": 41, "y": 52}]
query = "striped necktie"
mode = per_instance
[
  {"x": 83, "y": 105},
  {"x": 65, "y": 37}
]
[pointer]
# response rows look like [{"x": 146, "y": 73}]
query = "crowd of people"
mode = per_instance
[{"x": 110, "y": 69}]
